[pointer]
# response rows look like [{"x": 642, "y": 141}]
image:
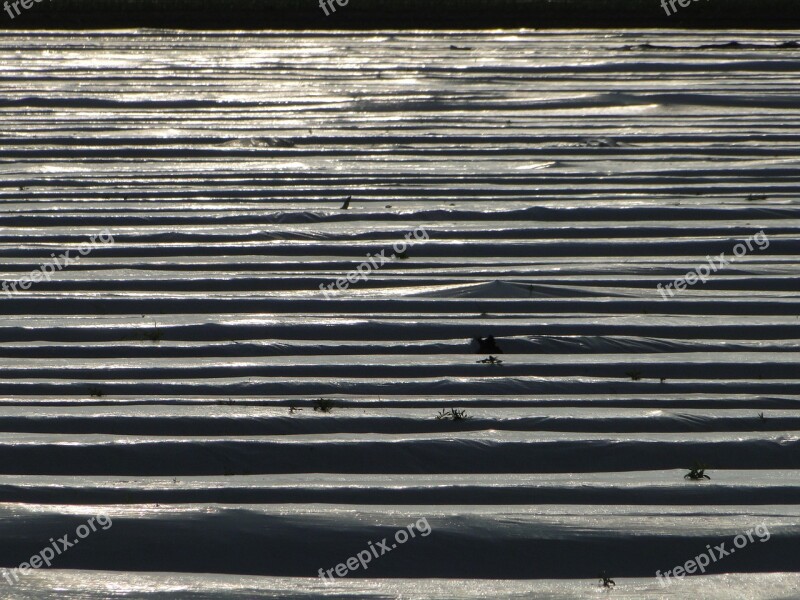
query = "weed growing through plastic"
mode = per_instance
[
  {"x": 323, "y": 405},
  {"x": 697, "y": 472},
  {"x": 452, "y": 414}
]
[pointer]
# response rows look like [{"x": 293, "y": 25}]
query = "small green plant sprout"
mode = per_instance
[
  {"x": 96, "y": 392},
  {"x": 762, "y": 417},
  {"x": 605, "y": 580},
  {"x": 634, "y": 375},
  {"x": 491, "y": 361},
  {"x": 452, "y": 414},
  {"x": 323, "y": 405},
  {"x": 697, "y": 472}
]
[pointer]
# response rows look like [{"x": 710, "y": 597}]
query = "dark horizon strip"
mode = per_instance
[{"x": 401, "y": 14}]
